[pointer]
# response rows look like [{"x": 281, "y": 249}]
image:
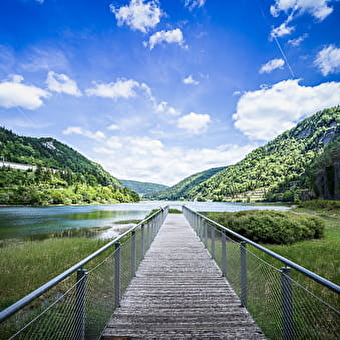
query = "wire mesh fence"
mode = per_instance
[
  {"x": 79, "y": 306},
  {"x": 281, "y": 306}
]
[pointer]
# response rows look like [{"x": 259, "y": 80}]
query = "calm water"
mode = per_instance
[{"x": 104, "y": 221}]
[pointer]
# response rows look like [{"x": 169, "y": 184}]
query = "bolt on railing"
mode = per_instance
[
  {"x": 79, "y": 310},
  {"x": 282, "y": 307}
]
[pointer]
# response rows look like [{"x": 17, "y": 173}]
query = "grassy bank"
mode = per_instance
[
  {"x": 320, "y": 256},
  {"x": 26, "y": 266}
]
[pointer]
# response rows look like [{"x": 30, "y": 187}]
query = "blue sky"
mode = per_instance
[{"x": 158, "y": 90}]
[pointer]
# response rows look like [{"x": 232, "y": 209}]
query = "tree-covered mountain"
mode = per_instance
[
  {"x": 325, "y": 172},
  {"x": 178, "y": 191},
  {"x": 143, "y": 188},
  {"x": 275, "y": 171},
  {"x": 62, "y": 175}
]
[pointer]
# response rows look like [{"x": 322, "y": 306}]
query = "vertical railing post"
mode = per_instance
[
  {"x": 80, "y": 309},
  {"x": 224, "y": 254},
  {"x": 117, "y": 275},
  {"x": 287, "y": 305},
  {"x": 147, "y": 235},
  {"x": 243, "y": 274},
  {"x": 142, "y": 242},
  {"x": 133, "y": 253},
  {"x": 212, "y": 242},
  {"x": 199, "y": 226},
  {"x": 205, "y": 227}
]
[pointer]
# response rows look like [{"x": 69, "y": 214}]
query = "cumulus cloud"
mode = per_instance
[
  {"x": 15, "y": 94},
  {"x": 265, "y": 113},
  {"x": 272, "y": 65},
  {"x": 192, "y": 4},
  {"x": 61, "y": 83},
  {"x": 319, "y": 9},
  {"x": 328, "y": 60},
  {"x": 281, "y": 30},
  {"x": 164, "y": 107},
  {"x": 143, "y": 158},
  {"x": 121, "y": 88},
  {"x": 190, "y": 81},
  {"x": 171, "y": 37},
  {"x": 194, "y": 123},
  {"x": 138, "y": 14},
  {"x": 77, "y": 130}
]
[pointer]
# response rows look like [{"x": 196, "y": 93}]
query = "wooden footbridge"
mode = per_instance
[
  {"x": 179, "y": 293},
  {"x": 165, "y": 278}
]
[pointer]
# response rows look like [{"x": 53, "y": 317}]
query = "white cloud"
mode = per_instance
[
  {"x": 191, "y": 4},
  {"x": 121, "y": 88},
  {"x": 190, "y": 80},
  {"x": 61, "y": 83},
  {"x": 272, "y": 65},
  {"x": 147, "y": 159},
  {"x": 265, "y": 113},
  {"x": 164, "y": 107},
  {"x": 328, "y": 60},
  {"x": 15, "y": 94},
  {"x": 138, "y": 14},
  {"x": 298, "y": 41},
  {"x": 317, "y": 8},
  {"x": 194, "y": 123},
  {"x": 113, "y": 127},
  {"x": 77, "y": 130},
  {"x": 171, "y": 37},
  {"x": 281, "y": 30}
]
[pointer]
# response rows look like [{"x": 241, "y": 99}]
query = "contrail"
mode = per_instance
[
  {"x": 278, "y": 44},
  {"x": 284, "y": 56}
]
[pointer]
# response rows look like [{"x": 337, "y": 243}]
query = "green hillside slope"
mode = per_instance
[
  {"x": 143, "y": 188},
  {"x": 178, "y": 191},
  {"x": 275, "y": 171},
  {"x": 63, "y": 175}
]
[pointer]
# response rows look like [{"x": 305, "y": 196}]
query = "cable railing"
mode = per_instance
[
  {"x": 77, "y": 304},
  {"x": 270, "y": 286}
]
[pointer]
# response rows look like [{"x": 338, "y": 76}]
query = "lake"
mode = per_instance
[{"x": 102, "y": 221}]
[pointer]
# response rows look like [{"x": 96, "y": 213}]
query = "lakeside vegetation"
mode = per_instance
[
  {"x": 271, "y": 227},
  {"x": 320, "y": 255},
  {"x": 25, "y": 266},
  {"x": 62, "y": 175}
]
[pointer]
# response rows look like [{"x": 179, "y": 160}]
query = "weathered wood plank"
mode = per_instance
[{"x": 179, "y": 293}]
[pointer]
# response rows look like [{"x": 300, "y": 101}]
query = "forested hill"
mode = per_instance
[
  {"x": 77, "y": 179},
  {"x": 279, "y": 170},
  {"x": 143, "y": 188},
  {"x": 178, "y": 191},
  {"x": 50, "y": 153}
]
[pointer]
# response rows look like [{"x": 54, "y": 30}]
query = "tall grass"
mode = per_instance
[{"x": 26, "y": 266}]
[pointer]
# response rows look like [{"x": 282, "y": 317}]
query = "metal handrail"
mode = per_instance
[
  {"x": 9, "y": 311},
  {"x": 334, "y": 287}
]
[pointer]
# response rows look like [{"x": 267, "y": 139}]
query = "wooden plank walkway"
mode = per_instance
[{"x": 179, "y": 293}]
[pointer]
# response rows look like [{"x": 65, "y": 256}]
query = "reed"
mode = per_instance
[{"x": 27, "y": 265}]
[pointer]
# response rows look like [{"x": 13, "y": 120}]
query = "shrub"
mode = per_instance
[{"x": 272, "y": 227}]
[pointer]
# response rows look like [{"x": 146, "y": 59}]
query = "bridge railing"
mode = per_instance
[
  {"x": 77, "y": 304},
  {"x": 276, "y": 291}
]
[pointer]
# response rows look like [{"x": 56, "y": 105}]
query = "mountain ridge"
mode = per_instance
[{"x": 274, "y": 171}]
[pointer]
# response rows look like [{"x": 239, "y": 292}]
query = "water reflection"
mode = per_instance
[{"x": 103, "y": 221}]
